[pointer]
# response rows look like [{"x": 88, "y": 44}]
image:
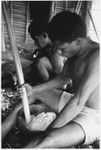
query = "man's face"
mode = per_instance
[
  {"x": 66, "y": 49},
  {"x": 41, "y": 41}
]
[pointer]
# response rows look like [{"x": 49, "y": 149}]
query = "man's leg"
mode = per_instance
[
  {"x": 44, "y": 67},
  {"x": 66, "y": 137}
]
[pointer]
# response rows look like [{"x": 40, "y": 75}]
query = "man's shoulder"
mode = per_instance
[
  {"x": 93, "y": 58},
  {"x": 94, "y": 45},
  {"x": 93, "y": 50}
]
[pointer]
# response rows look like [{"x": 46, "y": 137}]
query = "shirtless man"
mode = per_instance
[
  {"x": 79, "y": 119},
  {"x": 47, "y": 63}
]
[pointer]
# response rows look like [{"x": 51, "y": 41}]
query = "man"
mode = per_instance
[
  {"x": 47, "y": 63},
  {"x": 79, "y": 119}
]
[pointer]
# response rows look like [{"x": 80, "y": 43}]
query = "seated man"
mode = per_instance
[
  {"x": 79, "y": 119},
  {"x": 47, "y": 63}
]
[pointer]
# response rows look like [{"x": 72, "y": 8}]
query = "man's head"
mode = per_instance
[
  {"x": 66, "y": 31},
  {"x": 38, "y": 32}
]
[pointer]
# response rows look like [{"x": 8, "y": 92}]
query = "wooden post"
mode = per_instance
[
  {"x": 2, "y": 34},
  {"x": 91, "y": 18},
  {"x": 17, "y": 62}
]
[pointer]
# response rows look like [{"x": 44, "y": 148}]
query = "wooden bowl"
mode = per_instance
[{"x": 34, "y": 110}]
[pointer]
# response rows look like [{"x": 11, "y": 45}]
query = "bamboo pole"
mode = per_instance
[{"x": 17, "y": 62}]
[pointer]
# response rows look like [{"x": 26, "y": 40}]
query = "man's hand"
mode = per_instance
[
  {"x": 32, "y": 95},
  {"x": 29, "y": 90}
]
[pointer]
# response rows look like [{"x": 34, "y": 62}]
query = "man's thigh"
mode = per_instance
[{"x": 44, "y": 63}]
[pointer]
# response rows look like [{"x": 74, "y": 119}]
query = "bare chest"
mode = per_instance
[{"x": 77, "y": 69}]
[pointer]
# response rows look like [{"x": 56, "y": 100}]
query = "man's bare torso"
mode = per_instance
[{"x": 77, "y": 68}]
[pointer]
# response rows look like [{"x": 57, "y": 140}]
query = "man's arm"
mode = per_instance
[
  {"x": 88, "y": 84},
  {"x": 10, "y": 121}
]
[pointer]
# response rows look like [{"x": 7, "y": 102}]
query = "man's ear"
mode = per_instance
[
  {"x": 78, "y": 41},
  {"x": 82, "y": 42},
  {"x": 59, "y": 51},
  {"x": 45, "y": 35}
]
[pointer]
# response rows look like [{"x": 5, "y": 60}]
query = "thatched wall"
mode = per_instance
[{"x": 20, "y": 15}]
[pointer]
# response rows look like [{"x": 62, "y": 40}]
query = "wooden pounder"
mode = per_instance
[{"x": 17, "y": 62}]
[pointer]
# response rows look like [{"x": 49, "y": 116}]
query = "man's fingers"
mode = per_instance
[{"x": 25, "y": 85}]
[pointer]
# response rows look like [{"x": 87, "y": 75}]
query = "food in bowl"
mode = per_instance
[{"x": 41, "y": 121}]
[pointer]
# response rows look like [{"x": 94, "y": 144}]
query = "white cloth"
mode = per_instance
[
  {"x": 65, "y": 97},
  {"x": 88, "y": 119}
]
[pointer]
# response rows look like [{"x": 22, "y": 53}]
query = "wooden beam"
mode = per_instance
[
  {"x": 78, "y": 7},
  {"x": 2, "y": 34},
  {"x": 91, "y": 18}
]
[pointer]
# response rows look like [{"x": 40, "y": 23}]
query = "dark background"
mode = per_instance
[{"x": 40, "y": 10}]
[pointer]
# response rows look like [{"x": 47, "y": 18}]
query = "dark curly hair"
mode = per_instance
[
  {"x": 37, "y": 28},
  {"x": 66, "y": 26}
]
